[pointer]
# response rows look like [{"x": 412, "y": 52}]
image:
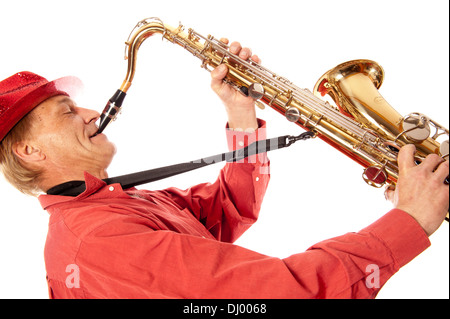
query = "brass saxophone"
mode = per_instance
[{"x": 362, "y": 125}]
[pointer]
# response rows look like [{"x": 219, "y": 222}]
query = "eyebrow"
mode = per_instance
[{"x": 65, "y": 99}]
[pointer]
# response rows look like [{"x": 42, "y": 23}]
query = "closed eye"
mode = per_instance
[
  {"x": 69, "y": 109},
  {"x": 68, "y": 106}
]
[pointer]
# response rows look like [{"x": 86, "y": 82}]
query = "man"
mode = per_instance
[{"x": 115, "y": 243}]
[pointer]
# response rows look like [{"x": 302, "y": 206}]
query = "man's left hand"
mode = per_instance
[{"x": 240, "y": 109}]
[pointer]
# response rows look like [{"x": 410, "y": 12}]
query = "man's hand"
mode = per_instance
[
  {"x": 240, "y": 109},
  {"x": 420, "y": 190}
]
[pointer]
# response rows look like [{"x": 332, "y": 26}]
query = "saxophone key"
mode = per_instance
[
  {"x": 256, "y": 91},
  {"x": 375, "y": 176},
  {"x": 292, "y": 114},
  {"x": 260, "y": 105},
  {"x": 416, "y": 127}
]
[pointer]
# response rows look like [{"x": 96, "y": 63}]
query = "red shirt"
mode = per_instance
[{"x": 115, "y": 243}]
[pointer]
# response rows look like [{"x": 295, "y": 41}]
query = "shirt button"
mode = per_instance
[
  {"x": 240, "y": 143},
  {"x": 257, "y": 179},
  {"x": 111, "y": 188}
]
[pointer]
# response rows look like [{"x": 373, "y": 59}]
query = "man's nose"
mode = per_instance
[{"x": 88, "y": 115}]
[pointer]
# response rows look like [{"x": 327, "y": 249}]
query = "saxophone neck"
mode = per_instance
[{"x": 143, "y": 30}]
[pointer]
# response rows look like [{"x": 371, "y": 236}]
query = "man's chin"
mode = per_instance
[{"x": 102, "y": 145}]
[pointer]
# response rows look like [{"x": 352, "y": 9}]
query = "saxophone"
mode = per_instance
[{"x": 362, "y": 125}]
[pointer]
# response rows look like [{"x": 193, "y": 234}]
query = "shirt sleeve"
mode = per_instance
[
  {"x": 141, "y": 263},
  {"x": 228, "y": 207}
]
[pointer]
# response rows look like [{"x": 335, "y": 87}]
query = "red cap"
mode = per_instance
[{"x": 22, "y": 92}]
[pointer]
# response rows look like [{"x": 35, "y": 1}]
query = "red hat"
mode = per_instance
[{"x": 22, "y": 92}]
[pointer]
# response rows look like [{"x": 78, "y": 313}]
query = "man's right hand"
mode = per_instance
[{"x": 421, "y": 191}]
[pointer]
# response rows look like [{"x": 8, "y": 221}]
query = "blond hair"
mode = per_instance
[{"x": 24, "y": 178}]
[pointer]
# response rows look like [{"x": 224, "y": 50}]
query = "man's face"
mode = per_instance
[{"x": 64, "y": 133}]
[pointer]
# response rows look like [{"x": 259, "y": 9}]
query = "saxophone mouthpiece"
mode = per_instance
[{"x": 111, "y": 110}]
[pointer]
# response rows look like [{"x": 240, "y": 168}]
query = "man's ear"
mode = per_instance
[{"x": 27, "y": 152}]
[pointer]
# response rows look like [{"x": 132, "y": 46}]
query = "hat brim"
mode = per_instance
[{"x": 69, "y": 86}]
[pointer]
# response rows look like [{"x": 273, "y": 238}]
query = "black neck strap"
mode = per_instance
[{"x": 75, "y": 188}]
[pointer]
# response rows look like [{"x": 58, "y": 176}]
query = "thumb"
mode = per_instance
[
  {"x": 389, "y": 193},
  {"x": 217, "y": 76}
]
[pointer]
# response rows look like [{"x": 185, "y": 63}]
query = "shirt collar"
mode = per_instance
[
  {"x": 93, "y": 184},
  {"x": 66, "y": 188}
]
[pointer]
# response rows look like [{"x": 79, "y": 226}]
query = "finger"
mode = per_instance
[
  {"x": 256, "y": 59},
  {"x": 245, "y": 53},
  {"x": 442, "y": 171},
  {"x": 431, "y": 162},
  {"x": 389, "y": 192},
  {"x": 389, "y": 195},
  {"x": 406, "y": 157},
  {"x": 235, "y": 47},
  {"x": 224, "y": 40},
  {"x": 217, "y": 76}
]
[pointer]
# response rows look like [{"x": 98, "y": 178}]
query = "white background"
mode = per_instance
[{"x": 171, "y": 115}]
